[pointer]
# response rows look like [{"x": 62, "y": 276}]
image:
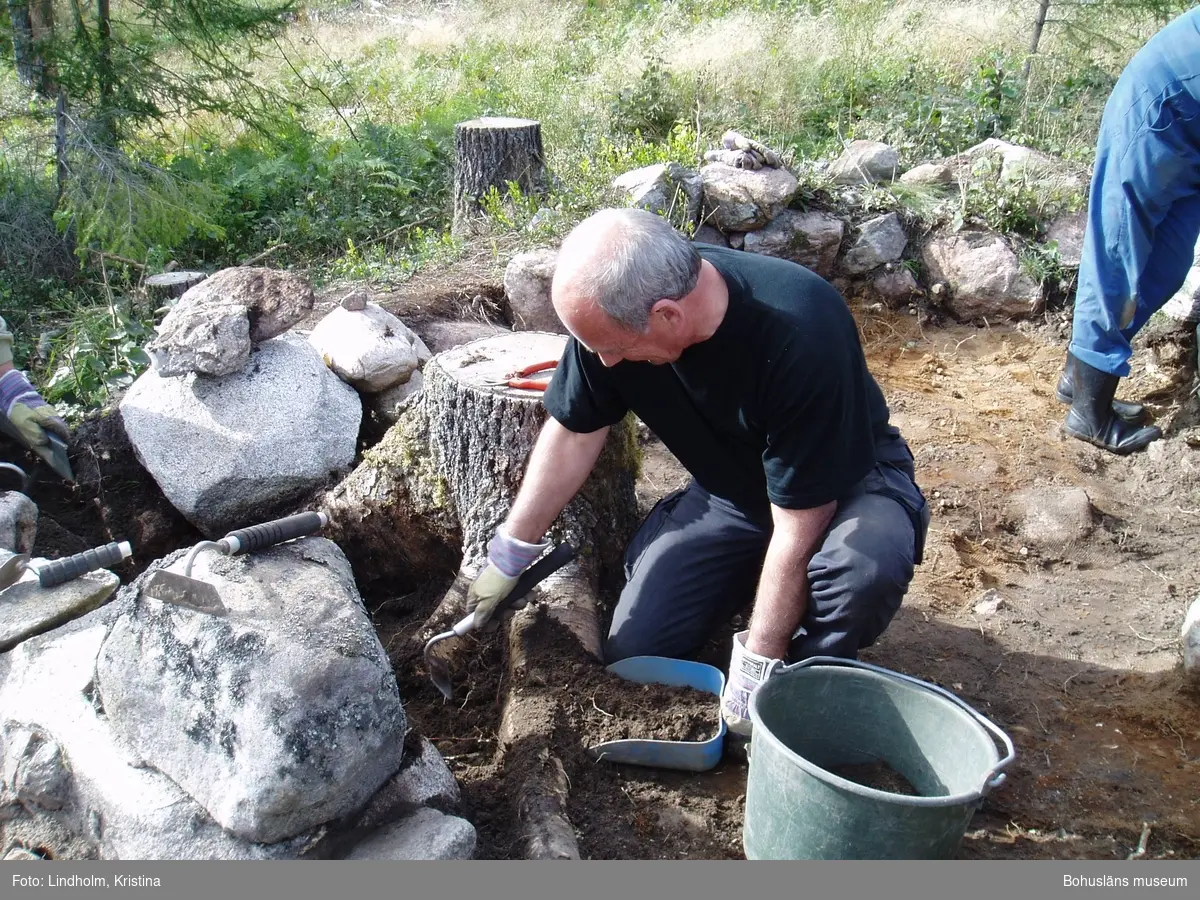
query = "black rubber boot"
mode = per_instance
[
  {"x": 1133, "y": 413},
  {"x": 1092, "y": 418}
]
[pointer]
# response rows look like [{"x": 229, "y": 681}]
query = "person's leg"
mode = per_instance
[
  {"x": 1142, "y": 227},
  {"x": 694, "y": 562},
  {"x": 861, "y": 573},
  {"x": 1170, "y": 260}
]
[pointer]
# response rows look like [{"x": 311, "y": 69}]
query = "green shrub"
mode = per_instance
[
  {"x": 650, "y": 106},
  {"x": 99, "y": 353},
  {"x": 317, "y": 195}
]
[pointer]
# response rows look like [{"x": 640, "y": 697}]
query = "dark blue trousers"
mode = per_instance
[{"x": 696, "y": 561}]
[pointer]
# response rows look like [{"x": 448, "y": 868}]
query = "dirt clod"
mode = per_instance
[{"x": 877, "y": 775}]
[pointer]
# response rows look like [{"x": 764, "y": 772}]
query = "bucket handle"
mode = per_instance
[{"x": 995, "y": 776}]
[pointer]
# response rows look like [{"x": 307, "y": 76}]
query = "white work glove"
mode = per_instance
[
  {"x": 507, "y": 559},
  {"x": 746, "y": 672}
]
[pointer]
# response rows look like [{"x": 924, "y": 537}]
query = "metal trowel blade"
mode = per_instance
[
  {"x": 171, "y": 587},
  {"x": 12, "y": 570}
]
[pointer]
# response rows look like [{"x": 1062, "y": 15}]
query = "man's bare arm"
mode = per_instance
[
  {"x": 558, "y": 466},
  {"x": 783, "y": 592}
]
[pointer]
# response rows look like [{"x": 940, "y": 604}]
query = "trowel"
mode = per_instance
[
  {"x": 54, "y": 452},
  {"x": 184, "y": 590},
  {"x": 439, "y": 674},
  {"x": 60, "y": 571}
]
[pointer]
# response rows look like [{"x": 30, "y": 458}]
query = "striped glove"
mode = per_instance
[
  {"x": 507, "y": 559},
  {"x": 29, "y": 413}
]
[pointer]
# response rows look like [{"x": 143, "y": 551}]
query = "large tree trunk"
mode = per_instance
[
  {"x": 490, "y": 153},
  {"x": 32, "y": 29},
  {"x": 432, "y": 493}
]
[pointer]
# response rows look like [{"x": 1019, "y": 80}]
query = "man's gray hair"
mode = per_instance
[{"x": 647, "y": 261}]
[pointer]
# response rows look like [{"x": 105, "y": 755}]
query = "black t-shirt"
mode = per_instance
[{"x": 777, "y": 407}]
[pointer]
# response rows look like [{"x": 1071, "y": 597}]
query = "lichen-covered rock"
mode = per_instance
[
  {"x": 368, "y": 347},
  {"x": 666, "y": 189},
  {"x": 527, "y": 280},
  {"x": 865, "y": 162},
  {"x": 18, "y": 522},
  {"x": 211, "y": 329},
  {"x": 880, "y": 240},
  {"x": 229, "y": 452},
  {"x": 809, "y": 238},
  {"x": 276, "y": 717},
  {"x": 895, "y": 285},
  {"x": 928, "y": 174},
  {"x": 28, "y": 609}
]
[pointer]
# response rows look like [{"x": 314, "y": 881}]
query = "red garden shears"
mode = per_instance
[{"x": 524, "y": 379}]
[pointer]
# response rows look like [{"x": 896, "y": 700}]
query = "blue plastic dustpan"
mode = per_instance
[{"x": 691, "y": 756}]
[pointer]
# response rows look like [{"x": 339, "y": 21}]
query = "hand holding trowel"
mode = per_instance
[
  {"x": 439, "y": 674},
  {"x": 184, "y": 590},
  {"x": 32, "y": 422}
]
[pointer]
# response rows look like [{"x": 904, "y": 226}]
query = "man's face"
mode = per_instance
[{"x": 611, "y": 341}]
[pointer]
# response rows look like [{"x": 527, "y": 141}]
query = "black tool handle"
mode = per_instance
[
  {"x": 60, "y": 571},
  {"x": 544, "y": 567},
  {"x": 269, "y": 533}
]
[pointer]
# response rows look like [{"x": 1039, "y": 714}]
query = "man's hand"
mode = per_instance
[
  {"x": 747, "y": 671},
  {"x": 507, "y": 559},
  {"x": 28, "y": 412}
]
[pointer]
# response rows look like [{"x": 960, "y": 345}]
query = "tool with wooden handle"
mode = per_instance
[
  {"x": 439, "y": 674},
  {"x": 184, "y": 590}
]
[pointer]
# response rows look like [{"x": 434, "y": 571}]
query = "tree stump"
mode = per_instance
[
  {"x": 436, "y": 488},
  {"x": 443, "y": 478},
  {"x": 172, "y": 285},
  {"x": 489, "y": 153}
]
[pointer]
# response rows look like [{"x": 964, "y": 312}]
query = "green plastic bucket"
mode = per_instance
[{"x": 826, "y": 712}]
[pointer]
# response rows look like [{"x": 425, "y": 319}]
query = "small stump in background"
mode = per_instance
[{"x": 491, "y": 152}]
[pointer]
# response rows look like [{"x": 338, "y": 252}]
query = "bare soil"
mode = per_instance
[
  {"x": 621, "y": 710},
  {"x": 1079, "y": 662},
  {"x": 877, "y": 775}
]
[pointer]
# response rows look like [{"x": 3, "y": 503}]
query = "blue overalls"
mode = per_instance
[{"x": 1144, "y": 207}]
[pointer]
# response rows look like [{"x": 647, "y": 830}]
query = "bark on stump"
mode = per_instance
[{"x": 489, "y": 153}]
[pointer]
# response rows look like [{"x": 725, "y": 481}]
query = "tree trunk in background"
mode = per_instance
[
  {"x": 489, "y": 153},
  {"x": 41, "y": 20},
  {"x": 1038, "y": 24},
  {"x": 104, "y": 72},
  {"x": 60, "y": 142},
  {"x": 22, "y": 38}
]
